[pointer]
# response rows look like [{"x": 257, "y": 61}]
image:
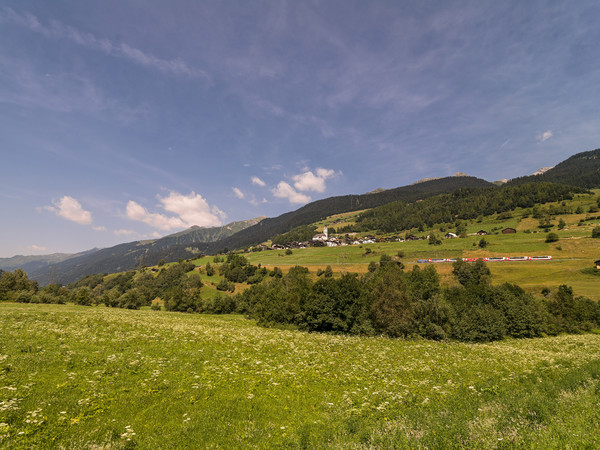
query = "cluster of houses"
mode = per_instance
[{"x": 323, "y": 239}]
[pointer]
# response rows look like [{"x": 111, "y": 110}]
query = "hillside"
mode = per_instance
[
  {"x": 320, "y": 209},
  {"x": 136, "y": 254},
  {"x": 582, "y": 170}
]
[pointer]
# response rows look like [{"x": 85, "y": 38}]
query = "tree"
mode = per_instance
[
  {"x": 483, "y": 243},
  {"x": 83, "y": 296},
  {"x": 384, "y": 259},
  {"x": 596, "y": 232},
  {"x": 552, "y": 237},
  {"x": 561, "y": 224},
  {"x": 434, "y": 240},
  {"x": 210, "y": 270},
  {"x": 476, "y": 273}
]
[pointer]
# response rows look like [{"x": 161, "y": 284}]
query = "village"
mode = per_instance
[{"x": 325, "y": 240}]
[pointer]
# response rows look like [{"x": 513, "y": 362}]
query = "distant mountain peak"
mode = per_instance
[
  {"x": 424, "y": 180},
  {"x": 542, "y": 170}
]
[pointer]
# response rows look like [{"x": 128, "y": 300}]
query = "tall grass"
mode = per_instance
[{"x": 73, "y": 377}]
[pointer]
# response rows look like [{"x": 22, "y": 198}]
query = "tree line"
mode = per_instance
[
  {"x": 463, "y": 204},
  {"x": 386, "y": 301},
  {"x": 398, "y": 303}
]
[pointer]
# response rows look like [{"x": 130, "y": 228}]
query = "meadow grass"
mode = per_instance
[{"x": 95, "y": 377}]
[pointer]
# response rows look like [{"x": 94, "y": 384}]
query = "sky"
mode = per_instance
[{"x": 123, "y": 120}]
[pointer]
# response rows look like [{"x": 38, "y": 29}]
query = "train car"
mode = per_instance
[
  {"x": 519, "y": 258},
  {"x": 541, "y": 258},
  {"x": 470, "y": 259},
  {"x": 451, "y": 259},
  {"x": 422, "y": 261},
  {"x": 437, "y": 260},
  {"x": 497, "y": 258}
]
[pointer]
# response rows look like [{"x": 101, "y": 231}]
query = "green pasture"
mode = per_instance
[
  {"x": 77, "y": 377},
  {"x": 574, "y": 251}
]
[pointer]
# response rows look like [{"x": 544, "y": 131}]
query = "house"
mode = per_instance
[
  {"x": 597, "y": 264},
  {"x": 509, "y": 231},
  {"x": 451, "y": 236},
  {"x": 482, "y": 232}
]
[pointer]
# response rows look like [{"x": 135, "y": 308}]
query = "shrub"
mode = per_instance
[
  {"x": 596, "y": 232},
  {"x": 552, "y": 237}
]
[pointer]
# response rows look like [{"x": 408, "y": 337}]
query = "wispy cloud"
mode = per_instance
[
  {"x": 60, "y": 92},
  {"x": 238, "y": 193},
  {"x": 257, "y": 181},
  {"x": 70, "y": 209},
  {"x": 124, "y": 232},
  {"x": 58, "y": 30},
  {"x": 38, "y": 248}
]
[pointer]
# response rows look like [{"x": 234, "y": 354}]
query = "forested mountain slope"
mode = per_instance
[
  {"x": 466, "y": 203},
  {"x": 582, "y": 170},
  {"x": 320, "y": 209}
]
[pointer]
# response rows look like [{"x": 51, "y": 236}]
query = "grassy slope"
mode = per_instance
[
  {"x": 74, "y": 377},
  {"x": 574, "y": 251}
]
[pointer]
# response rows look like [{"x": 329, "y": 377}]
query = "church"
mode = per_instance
[{"x": 323, "y": 237}]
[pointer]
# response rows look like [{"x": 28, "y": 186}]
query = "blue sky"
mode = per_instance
[{"x": 125, "y": 120}]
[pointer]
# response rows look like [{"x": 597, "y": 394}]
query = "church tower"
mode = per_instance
[{"x": 325, "y": 232}]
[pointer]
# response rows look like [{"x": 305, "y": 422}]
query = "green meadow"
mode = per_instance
[
  {"x": 75, "y": 377},
  {"x": 573, "y": 252}
]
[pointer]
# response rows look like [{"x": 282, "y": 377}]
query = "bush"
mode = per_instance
[
  {"x": 596, "y": 232},
  {"x": 552, "y": 237}
]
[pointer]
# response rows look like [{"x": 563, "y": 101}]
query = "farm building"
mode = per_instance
[
  {"x": 509, "y": 231},
  {"x": 597, "y": 263}
]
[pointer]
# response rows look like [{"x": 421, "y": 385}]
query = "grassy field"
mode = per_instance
[
  {"x": 77, "y": 377},
  {"x": 574, "y": 251}
]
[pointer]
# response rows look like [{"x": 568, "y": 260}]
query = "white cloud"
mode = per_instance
[
  {"x": 544, "y": 136},
  {"x": 308, "y": 181},
  {"x": 238, "y": 193},
  {"x": 137, "y": 212},
  {"x": 188, "y": 210},
  {"x": 71, "y": 209},
  {"x": 38, "y": 248},
  {"x": 284, "y": 190},
  {"x": 100, "y": 228},
  {"x": 193, "y": 209},
  {"x": 258, "y": 181}
]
